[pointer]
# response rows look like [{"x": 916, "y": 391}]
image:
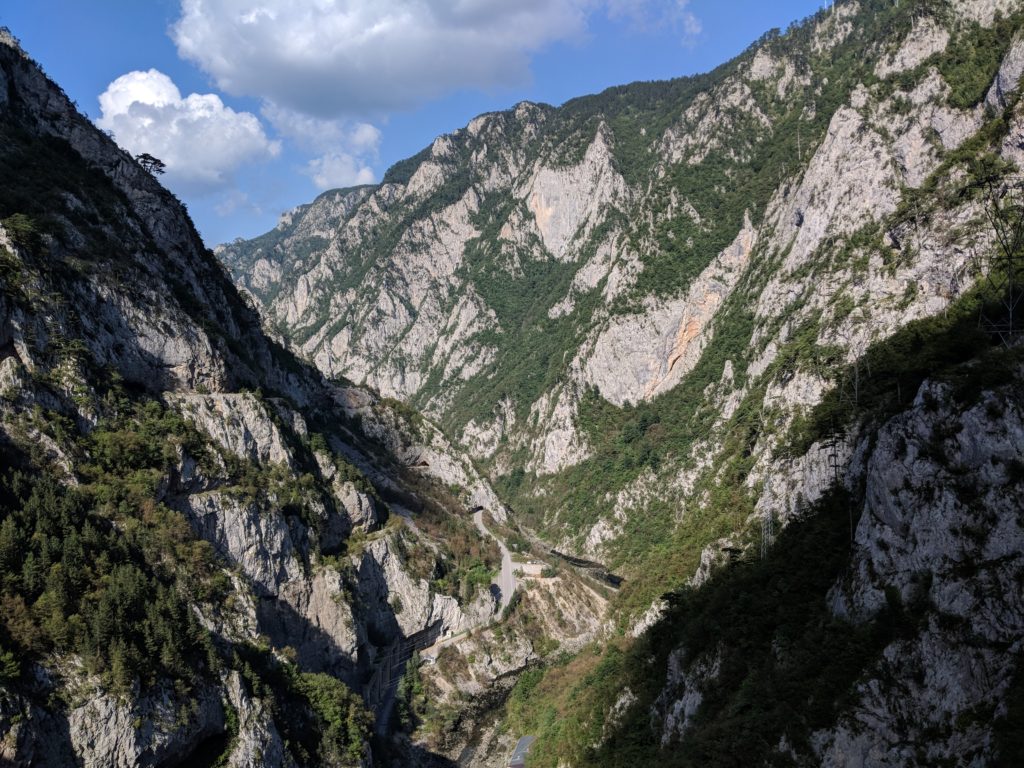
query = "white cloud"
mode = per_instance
[
  {"x": 364, "y": 138},
  {"x": 365, "y": 57},
  {"x": 346, "y": 148},
  {"x": 233, "y": 201},
  {"x": 648, "y": 15},
  {"x": 322, "y": 134},
  {"x": 201, "y": 140},
  {"x": 310, "y": 132},
  {"x": 339, "y": 169},
  {"x": 320, "y": 67},
  {"x": 691, "y": 26}
]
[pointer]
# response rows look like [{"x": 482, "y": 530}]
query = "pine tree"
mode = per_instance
[{"x": 150, "y": 164}]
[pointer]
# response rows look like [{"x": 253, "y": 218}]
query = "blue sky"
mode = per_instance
[{"x": 259, "y": 105}]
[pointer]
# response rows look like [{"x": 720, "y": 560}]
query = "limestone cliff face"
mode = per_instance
[
  {"x": 414, "y": 325},
  {"x": 621, "y": 364},
  {"x": 941, "y": 524},
  {"x": 940, "y": 535},
  {"x": 135, "y": 380}
]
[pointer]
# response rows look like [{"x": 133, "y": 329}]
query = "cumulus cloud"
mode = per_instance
[
  {"x": 310, "y": 132},
  {"x": 364, "y": 138},
  {"x": 339, "y": 169},
  {"x": 322, "y": 134},
  {"x": 346, "y": 147},
  {"x": 362, "y": 57},
  {"x": 201, "y": 140}
]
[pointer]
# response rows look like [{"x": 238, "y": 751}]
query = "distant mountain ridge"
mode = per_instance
[{"x": 659, "y": 244}]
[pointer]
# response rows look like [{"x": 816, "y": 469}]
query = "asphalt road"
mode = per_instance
[{"x": 506, "y": 581}]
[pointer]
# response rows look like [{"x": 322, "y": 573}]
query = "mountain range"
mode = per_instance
[{"x": 679, "y": 424}]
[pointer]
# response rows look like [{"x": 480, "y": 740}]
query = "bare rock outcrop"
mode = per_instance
[
  {"x": 641, "y": 356},
  {"x": 940, "y": 527},
  {"x": 240, "y": 424},
  {"x": 258, "y": 742},
  {"x": 1007, "y": 80},
  {"x": 148, "y": 732}
]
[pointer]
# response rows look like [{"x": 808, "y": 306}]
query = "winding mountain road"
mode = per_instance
[{"x": 506, "y": 581}]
